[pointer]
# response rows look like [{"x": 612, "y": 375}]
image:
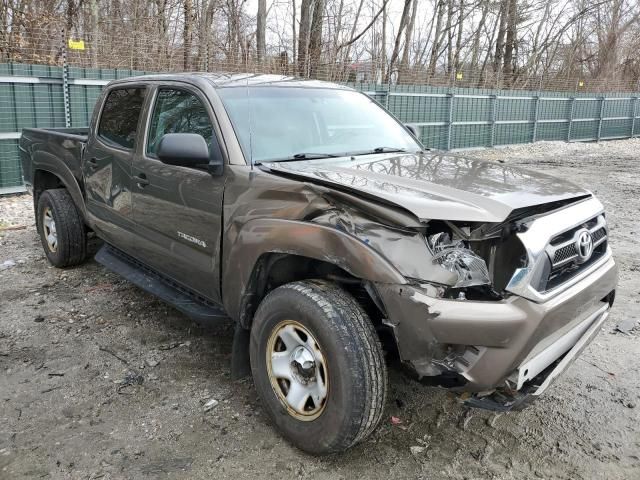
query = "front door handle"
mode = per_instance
[{"x": 141, "y": 180}]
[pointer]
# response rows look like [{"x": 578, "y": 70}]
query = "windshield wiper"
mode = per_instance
[
  {"x": 388, "y": 150},
  {"x": 310, "y": 156},
  {"x": 378, "y": 150},
  {"x": 304, "y": 156}
]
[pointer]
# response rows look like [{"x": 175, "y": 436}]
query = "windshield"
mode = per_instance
[{"x": 288, "y": 123}]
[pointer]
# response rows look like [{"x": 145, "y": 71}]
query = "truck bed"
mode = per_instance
[{"x": 38, "y": 146}]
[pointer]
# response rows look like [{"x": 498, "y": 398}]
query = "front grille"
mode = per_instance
[
  {"x": 565, "y": 253},
  {"x": 564, "y": 256}
]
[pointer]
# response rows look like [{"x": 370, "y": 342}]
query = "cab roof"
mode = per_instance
[{"x": 227, "y": 80}]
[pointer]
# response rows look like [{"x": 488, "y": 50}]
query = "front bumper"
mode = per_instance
[{"x": 515, "y": 343}]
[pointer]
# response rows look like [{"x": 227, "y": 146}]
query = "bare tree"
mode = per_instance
[
  {"x": 186, "y": 33},
  {"x": 404, "y": 20},
  {"x": 261, "y": 26},
  {"x": 315, "y": 37},
  {"x": 303, "y": 35}
]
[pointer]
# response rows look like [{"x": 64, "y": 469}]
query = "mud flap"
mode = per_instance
[{"x": 240, "y": 360}]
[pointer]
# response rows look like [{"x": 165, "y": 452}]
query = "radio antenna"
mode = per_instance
[{"x": 250, "y": 123}]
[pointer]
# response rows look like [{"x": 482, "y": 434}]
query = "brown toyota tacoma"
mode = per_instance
[{"x": 309, "y": 216}]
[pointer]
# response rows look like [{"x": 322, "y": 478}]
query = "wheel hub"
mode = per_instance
[
  {"x": 49, "y": 229},
  {"x": 303, "y": 364},
  {"x": 297, "y": 370}
]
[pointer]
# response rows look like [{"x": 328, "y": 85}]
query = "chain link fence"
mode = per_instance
[
  {"x": 50, "y": 80},
  {"x": 155, "y": 45}
]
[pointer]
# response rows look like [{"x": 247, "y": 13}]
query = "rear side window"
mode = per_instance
[
  {"x": 178, "y": 111},
  {"x": 120, "y": 114}
]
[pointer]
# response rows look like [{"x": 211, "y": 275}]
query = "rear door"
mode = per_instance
[
  {"x": 107, "y": 163},
  {"x": 178, "y": 210}
]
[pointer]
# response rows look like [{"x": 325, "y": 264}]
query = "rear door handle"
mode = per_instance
[
  {"x": 93, "y": 163},
  {"x": 141, "y": 180}
]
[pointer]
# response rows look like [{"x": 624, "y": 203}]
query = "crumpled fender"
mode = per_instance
[{"x": 267, "y": 235}]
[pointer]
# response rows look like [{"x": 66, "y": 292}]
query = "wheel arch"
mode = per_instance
[
  {"x": 50, "y": 172},
  {"x": 268, "y": 253}
]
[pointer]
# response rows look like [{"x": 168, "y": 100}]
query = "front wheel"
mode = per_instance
[{"x": 318, "y": 366}]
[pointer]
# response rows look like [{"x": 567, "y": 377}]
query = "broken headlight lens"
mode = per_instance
[{"x": 457, "y": 258}]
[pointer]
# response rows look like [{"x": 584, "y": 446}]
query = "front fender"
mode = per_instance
[{"x": 265, "y": 235}]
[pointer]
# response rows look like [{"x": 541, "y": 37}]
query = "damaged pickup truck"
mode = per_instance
[{"x": 312, "y": 218}]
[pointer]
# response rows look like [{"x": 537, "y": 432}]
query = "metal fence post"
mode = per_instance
[
  {"x": 450, "y": 122},
  {"x": 65, "y": 81},
  {"x": 633, "y": 115},
  {"x": 494, "y": 100},
  {"x": 535, "y": 119},
  {"x": 602, "y": 99},
  {"x": 573, "y": 104}
]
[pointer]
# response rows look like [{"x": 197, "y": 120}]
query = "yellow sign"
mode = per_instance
[
  {"x": 76, "y": 44},
  {"x": 459, "y": 76},
  {"x": 581, "y": 83}
]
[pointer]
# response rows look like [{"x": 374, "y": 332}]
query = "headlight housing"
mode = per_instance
[{"x": 455, "y": 257}]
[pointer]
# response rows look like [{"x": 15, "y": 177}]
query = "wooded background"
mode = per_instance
[{"x": 574, "y": 45}]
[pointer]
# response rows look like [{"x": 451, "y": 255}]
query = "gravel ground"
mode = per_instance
[{"x": 100, "y": 380}]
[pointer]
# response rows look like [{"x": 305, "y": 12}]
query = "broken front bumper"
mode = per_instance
[{"x": 514, "y": 345}]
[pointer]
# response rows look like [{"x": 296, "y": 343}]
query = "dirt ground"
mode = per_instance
[{"x": 100, "y": 380}]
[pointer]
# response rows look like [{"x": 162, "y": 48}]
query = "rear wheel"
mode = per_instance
[
  {"x": 61, "y": 228},
  {"x": 318, "y": 366}
]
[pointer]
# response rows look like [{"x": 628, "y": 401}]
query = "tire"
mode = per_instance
[
  {"x": 348, "y": 359},
  {"x": 70, "y": 245}
]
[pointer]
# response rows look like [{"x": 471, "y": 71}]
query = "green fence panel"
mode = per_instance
[
  {"x": 552, "y": 131},
  {"x": 434, "y": 137},
  {"x": 10, "y": 171},
  {"x": 445, "y": 117},
  {"x": 468, "y": 136},
  {"x": 516, "y": 109},
  {"x": 584, "y": 131},
  {"x": 509, "y": 133}
]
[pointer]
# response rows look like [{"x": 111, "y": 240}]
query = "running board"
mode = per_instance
[{"x": 192, "y": 305}]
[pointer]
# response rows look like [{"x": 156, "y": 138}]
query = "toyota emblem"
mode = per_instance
[{"x": 584, "y": 245}]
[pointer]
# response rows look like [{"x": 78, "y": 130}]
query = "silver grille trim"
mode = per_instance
[
  {"x": 566, "y": 252},
  {"x": 538, "y": 237}
]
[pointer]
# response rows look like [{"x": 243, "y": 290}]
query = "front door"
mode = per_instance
[
  {"x": 178, "y": 210},
  {"x": 107, "y": 164}
]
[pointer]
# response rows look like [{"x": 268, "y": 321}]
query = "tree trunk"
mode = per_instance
[
  {"x": 95, "y": 33},
  {"x": 456, "y": 56},
  {"x": 404, "y": 20},
  {"x": 186, "y": 34},
  {"x": 512, "y": 19},
  {"x": 475, "y": 49},
  {"x": 303, "y": 36},
  {"x": 502, "y": 25},
  {"x": 383, "y": 55},
  {"x": 449, "y": 32},
  {"x": 407, "y": 39},
  {"x": 293, "y": 28},
  {"x": 437, "y": 38},
  {"x": 315, "y": 38},
  {"x": 261, "y": 25}
]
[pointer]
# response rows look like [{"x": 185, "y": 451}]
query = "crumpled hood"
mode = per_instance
[{"x": 436, "y": 186}]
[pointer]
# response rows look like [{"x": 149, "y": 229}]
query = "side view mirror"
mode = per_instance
[
  {"x": 189, "y": 150},
  {"x": 412, "y": 129}
]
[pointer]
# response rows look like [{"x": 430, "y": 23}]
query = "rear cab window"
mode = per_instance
[{"x": 120, "y": 114}]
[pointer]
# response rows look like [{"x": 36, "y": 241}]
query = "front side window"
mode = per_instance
[
  {"x": 120, "y": 114},
  {"x": 178, "y": 111}
]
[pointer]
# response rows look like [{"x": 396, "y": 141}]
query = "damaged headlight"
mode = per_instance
[{"x": 454, "y": 256}]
